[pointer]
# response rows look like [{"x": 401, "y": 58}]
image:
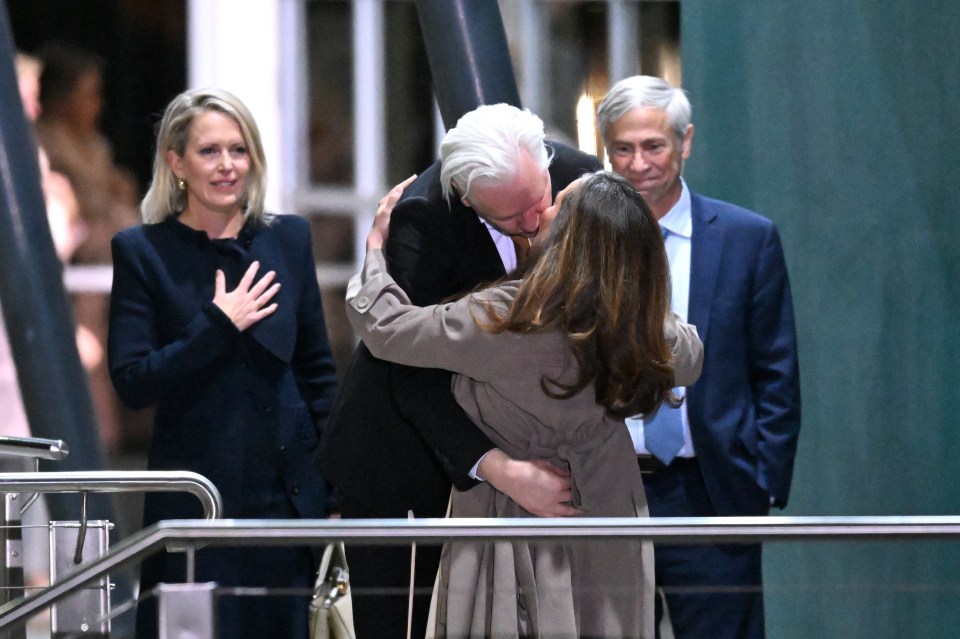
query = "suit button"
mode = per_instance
[
  {"x": 268, "y": 410},
  {"x": 295, "y": 489}
]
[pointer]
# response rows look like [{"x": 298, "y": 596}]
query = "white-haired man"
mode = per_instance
[
  {"x": 397, "y": 440},
  {"x": 729, "y": 449}
]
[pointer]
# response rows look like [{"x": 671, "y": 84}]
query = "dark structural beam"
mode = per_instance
[
  {"x": 469, "y": 59},
  {"x": 37, "y": 314},
  {"x": 35, "y": 307}
]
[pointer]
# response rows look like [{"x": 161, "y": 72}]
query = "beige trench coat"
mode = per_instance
[{"x": 520, "y": 589}]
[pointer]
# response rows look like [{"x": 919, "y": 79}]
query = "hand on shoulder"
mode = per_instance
[{"x": 377, "y": 237}]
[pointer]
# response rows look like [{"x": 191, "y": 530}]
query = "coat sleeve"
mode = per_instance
[
  {"x": 774, "y": 369},
  {"x": 431, "y": 342},
  {"x": 686, "y": 347},
  {"x": 426, "y": 260},
  {"x": 312, "y": 362},
  {"x": 141, "y": 368},
  {"x": 439, "y": 336},
  {"x": 456, "y": 442}
]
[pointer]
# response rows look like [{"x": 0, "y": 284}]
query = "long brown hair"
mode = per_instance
[{"x": 603, "y": 280}]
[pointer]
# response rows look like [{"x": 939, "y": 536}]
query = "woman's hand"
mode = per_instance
[
  {"x": 248, "y": 303},
  {"x": 377, "y": 237}
]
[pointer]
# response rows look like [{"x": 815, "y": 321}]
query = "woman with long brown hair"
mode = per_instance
[{"x": 549, "y": 366}]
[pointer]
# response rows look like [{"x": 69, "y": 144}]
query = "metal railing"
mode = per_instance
[
  {"x": 113, "y": 481},
  {"x": 190, "y": 534},
  {"x": 82, "y": 482},
  {"x": 33, "y": 448}
]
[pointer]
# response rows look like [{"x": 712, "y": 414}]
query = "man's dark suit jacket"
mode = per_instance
[
  {"x": 397, "y": 439},
  {"x": 744, "y": 411}
]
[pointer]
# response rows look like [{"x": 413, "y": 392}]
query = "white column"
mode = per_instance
[
  {"x": 527, "y": 37},
  {"x": 294, "y": 103},
  {"x": 369, "y": 112},
  {"x": 623, "y": 39},
  {"x": 236, "y": 45}
]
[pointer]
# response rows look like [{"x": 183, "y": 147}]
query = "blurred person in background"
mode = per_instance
[
  {"x": 28, "y": 69},
  {"x": 71, "y": 100},
  {"x": 63, "y": 209},
  {"x": 65, "y": 230},
  {"x": 67, "y": 128}
]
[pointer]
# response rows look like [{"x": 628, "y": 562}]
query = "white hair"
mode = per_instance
[
  {"x": 486, "y": 146},
  {"x": 648, "y": 92}
]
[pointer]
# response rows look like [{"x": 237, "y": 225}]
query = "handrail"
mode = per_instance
[
  {"x": 286, "y": 532},
  {"x": 99, "y": 481},
  {"x": 33, "y": 447}
]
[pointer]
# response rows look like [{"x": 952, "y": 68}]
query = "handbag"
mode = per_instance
[{"x": 331, "y": 607}]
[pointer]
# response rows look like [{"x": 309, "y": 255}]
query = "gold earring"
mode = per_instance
[{"x": 181, "y": 184}]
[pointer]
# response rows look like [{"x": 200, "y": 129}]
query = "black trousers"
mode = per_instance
[{"x": 380, "y": 581}]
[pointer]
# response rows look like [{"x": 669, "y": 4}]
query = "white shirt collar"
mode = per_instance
[
  {"x": 505, "y": 246},
  {"x": 678, "y": 219}
]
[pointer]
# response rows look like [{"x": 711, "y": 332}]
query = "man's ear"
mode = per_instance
[{"x": 687, "y": 145}]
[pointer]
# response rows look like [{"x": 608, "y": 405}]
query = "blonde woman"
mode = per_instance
[{"x": 216, "y": 323}]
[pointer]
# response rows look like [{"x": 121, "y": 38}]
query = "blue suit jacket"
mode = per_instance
[{"x": 744, "y": 411}]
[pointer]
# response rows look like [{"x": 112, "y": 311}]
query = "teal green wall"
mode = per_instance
[{"x": 838, "y": 119}]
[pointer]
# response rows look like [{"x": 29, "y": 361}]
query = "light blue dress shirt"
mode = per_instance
[{"x": 679, "y": 229}]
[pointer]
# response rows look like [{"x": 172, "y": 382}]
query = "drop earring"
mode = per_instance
[{"x": 181, "y": 184}]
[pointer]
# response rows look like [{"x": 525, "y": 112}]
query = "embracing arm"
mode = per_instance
[
  {"x": 537, "y": 486},
  {"x": 445, "y": 336},
  {"x": 441, "y": 336},
  {"x": 456, "y": 442},
  {"x": 441, "y": 423}
]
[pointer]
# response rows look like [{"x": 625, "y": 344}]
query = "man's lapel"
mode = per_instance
[
  {"x": 488, "y": 266},
  {"x": 706, "y": 248}
]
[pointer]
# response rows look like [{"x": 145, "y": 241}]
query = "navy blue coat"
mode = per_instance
[{"x": 244, "y": 409}]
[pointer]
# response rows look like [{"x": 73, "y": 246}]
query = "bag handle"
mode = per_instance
[{"x": 413, "y": 571}]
